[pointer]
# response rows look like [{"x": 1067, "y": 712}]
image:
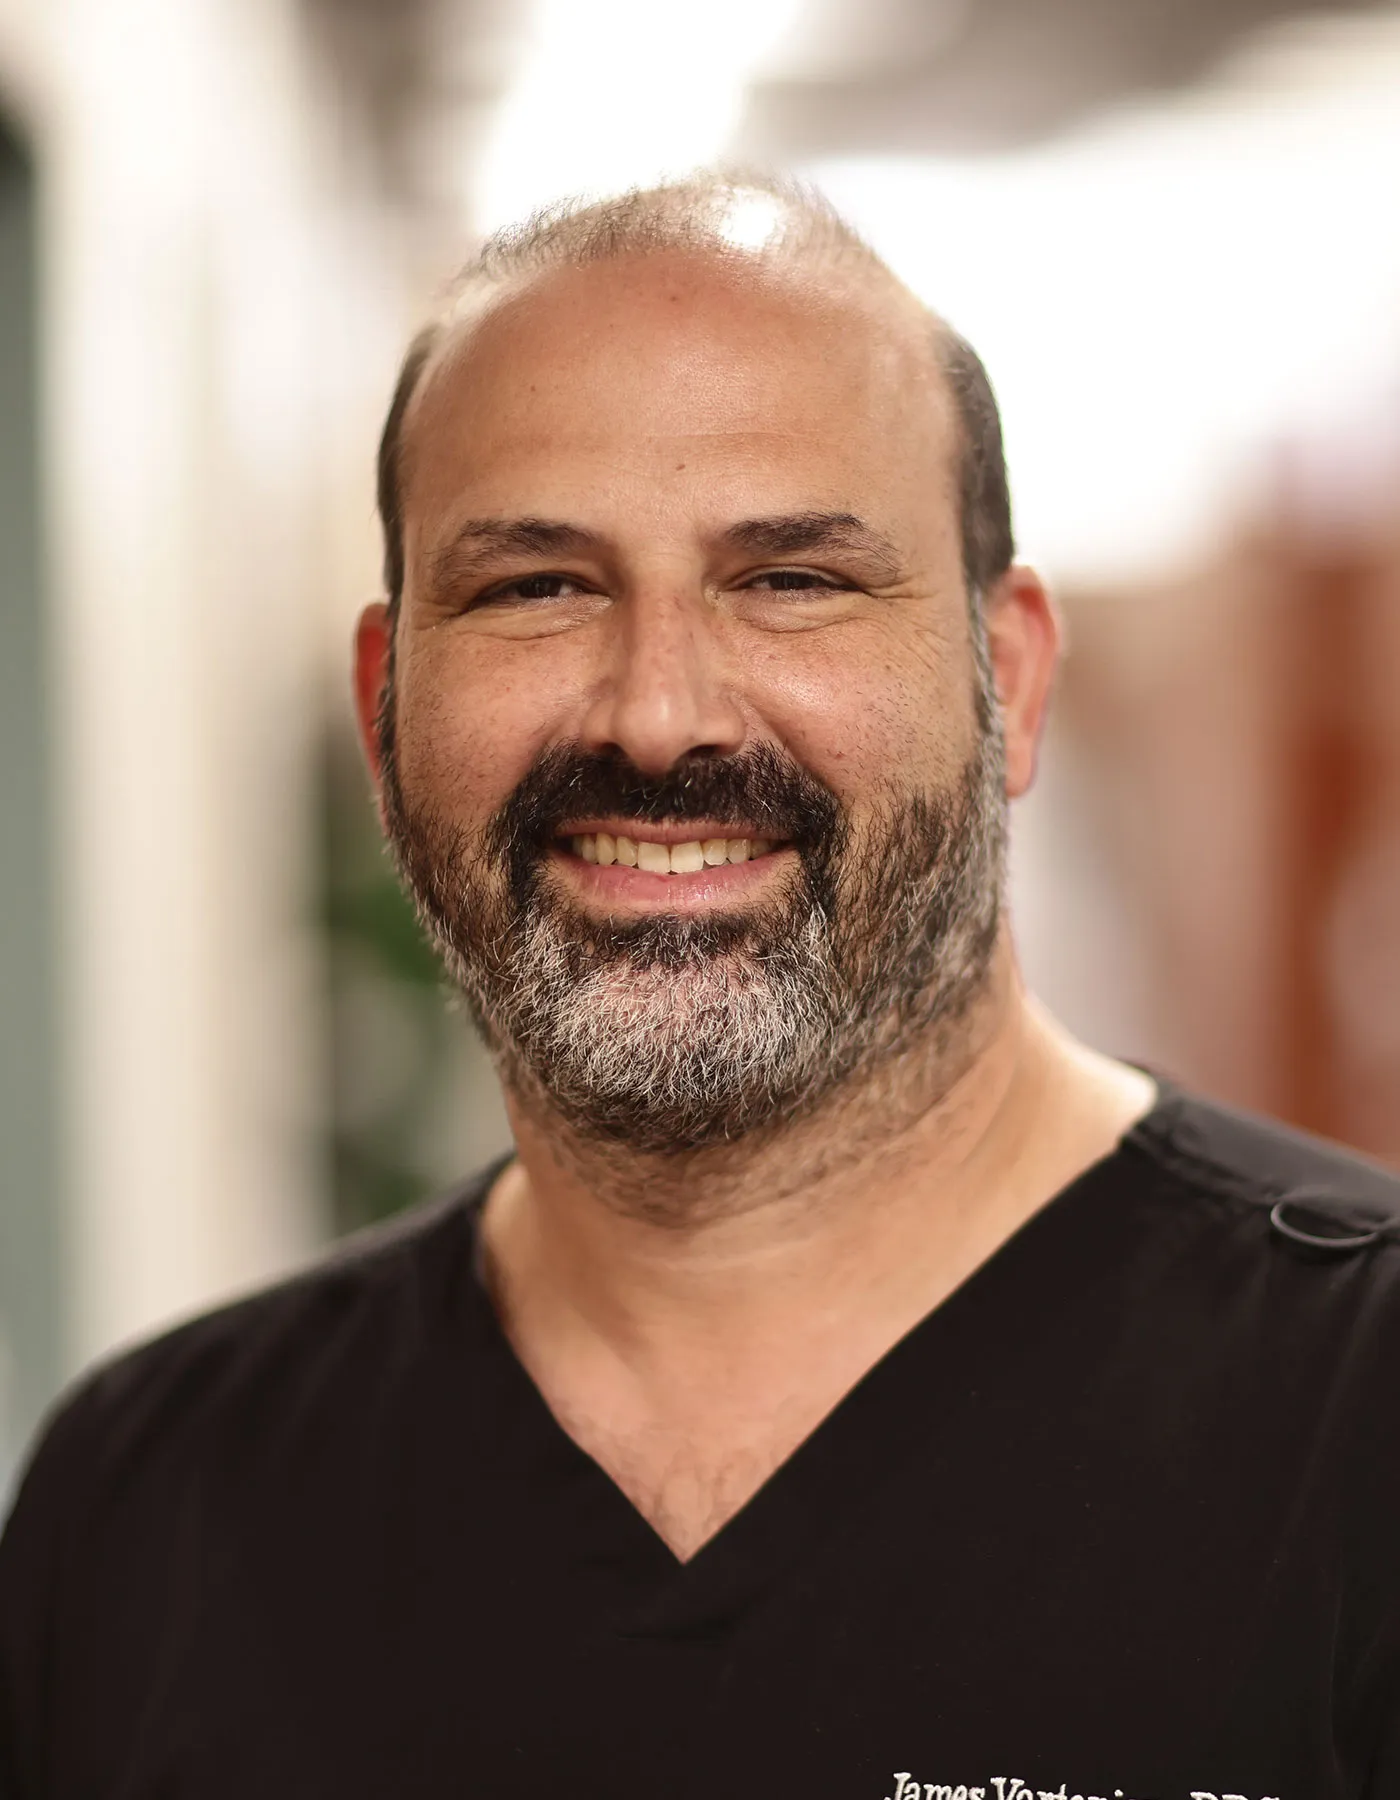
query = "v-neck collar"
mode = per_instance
[{"x": 988, "y": 1325}]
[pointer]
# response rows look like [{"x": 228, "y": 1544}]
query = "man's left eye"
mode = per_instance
[{"x": 794, "y": 580}]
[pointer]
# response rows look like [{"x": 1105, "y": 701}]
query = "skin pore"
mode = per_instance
[{"x": 589, "y": 466}]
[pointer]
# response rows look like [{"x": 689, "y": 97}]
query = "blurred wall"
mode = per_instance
[
  {"x": 1237, "y": 742},
  {"x": 31, "y": 1192},
  {"x": 186, "y": 278}
]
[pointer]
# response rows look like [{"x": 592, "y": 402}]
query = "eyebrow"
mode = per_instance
[
  {"x": 479, "y": 543},
  {"x": 814, "y": 533}
]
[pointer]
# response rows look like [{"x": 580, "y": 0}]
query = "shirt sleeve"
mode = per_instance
[
  {"x": 31, "y": 1564},
  {"x": 1368, "y": 1622}
]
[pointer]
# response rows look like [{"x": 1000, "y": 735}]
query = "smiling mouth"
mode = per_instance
[{"x": 655, "y": 858}]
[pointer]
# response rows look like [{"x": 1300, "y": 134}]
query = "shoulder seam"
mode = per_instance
[
  {"x": 1255, "y": 1192},
  {"x": 1224, "y": 1182}
]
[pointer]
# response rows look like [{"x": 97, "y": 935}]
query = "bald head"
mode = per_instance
[{"x": 753, "y": 233}]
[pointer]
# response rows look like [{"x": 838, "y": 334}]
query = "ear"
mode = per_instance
[
  {"x": 373, "y": 639},
  {"x": 1024, "y": 636}
]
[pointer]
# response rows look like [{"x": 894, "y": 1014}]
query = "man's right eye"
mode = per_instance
[{"x": 530, "y": 587}]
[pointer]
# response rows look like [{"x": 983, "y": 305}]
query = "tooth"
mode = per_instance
[
  {"x": 715, "y": 850},
  {"x": 588, "y": 848},
  {"x": 738, "y": 850},
  {"x": 686, "y": 859},
  {"x": 757, "y": 847},
  {"x": 607, "y": 848},
  {"x": 626, "y": 852},
  {"x": 655, "y": 858}
]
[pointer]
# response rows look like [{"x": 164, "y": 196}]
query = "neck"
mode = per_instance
[{"x": 881, "y": 1202}]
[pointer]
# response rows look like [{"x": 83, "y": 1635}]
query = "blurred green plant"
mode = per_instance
[{"x": 413, "y": 1102}]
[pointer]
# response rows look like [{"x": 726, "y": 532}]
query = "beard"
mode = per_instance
[{"x": 670, "y": 1035}]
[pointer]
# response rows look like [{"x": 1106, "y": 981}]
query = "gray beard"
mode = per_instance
[{"x": 669, "y": 1036}]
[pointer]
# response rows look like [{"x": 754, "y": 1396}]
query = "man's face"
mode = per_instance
[{"x": 689, "y": 763}]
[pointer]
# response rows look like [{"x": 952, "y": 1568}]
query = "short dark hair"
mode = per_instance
[{"x": 683, "y": 215}]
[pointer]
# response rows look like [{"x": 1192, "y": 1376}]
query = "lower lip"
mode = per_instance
[{"x": 615, "y": 884}]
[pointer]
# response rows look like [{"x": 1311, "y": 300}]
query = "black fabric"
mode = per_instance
[{"x": 1120, "y": 1518}]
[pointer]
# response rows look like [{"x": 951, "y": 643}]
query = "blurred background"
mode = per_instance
[{"x": 1171, "y": 226}]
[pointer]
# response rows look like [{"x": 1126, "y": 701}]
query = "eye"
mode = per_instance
[
  {"x": 792, "y": 581},
  {"x": 529, "y": 588}
]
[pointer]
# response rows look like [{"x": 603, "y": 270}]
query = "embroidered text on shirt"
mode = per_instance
[{"x": 1011, "y": 1787}]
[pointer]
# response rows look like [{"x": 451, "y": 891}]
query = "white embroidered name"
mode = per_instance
[{"x": 1011, "y": 1787}]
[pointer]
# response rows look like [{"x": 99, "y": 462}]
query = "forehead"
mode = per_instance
[{"x": 691, "y": 374}]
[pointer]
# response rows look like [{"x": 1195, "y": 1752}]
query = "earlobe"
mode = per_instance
[
  {"x": 373, "y": 636},
  {"x": 1023, "y": 637}
]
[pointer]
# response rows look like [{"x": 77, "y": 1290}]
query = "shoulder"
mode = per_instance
[
  {"x": 360, "y": 1314},
  {"x": 163, "y": 1460},
  {"x": 1240, "y": 1154},
  {"x": 1263, "y": 1361},
  {"x": 1279, "y": 1250},
  {"x": 1292, "y": 1185}
]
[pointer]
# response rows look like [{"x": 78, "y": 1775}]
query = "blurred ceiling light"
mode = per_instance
[
  {"x": 618, "y": 92},
  {"x": 834, "y": 41},
  {"x": 1166, "y": 300}
]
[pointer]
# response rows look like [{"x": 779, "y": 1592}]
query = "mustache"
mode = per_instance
[{"x": 760, "y": 789}]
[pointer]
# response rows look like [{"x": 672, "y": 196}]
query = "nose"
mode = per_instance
[{"x": 663, "y": 692}]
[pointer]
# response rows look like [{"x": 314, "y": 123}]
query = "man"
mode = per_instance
[{"x": 851, "y": 1386}]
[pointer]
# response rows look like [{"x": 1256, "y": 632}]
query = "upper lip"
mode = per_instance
[{"x": 689, "y": 831}]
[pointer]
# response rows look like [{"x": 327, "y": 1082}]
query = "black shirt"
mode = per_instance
[{"x": 1120, "y": 1518}]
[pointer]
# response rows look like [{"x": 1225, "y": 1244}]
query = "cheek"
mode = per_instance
[
  {"x": 469, "y": 726},
  {"x": 865, "y": 715}
]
